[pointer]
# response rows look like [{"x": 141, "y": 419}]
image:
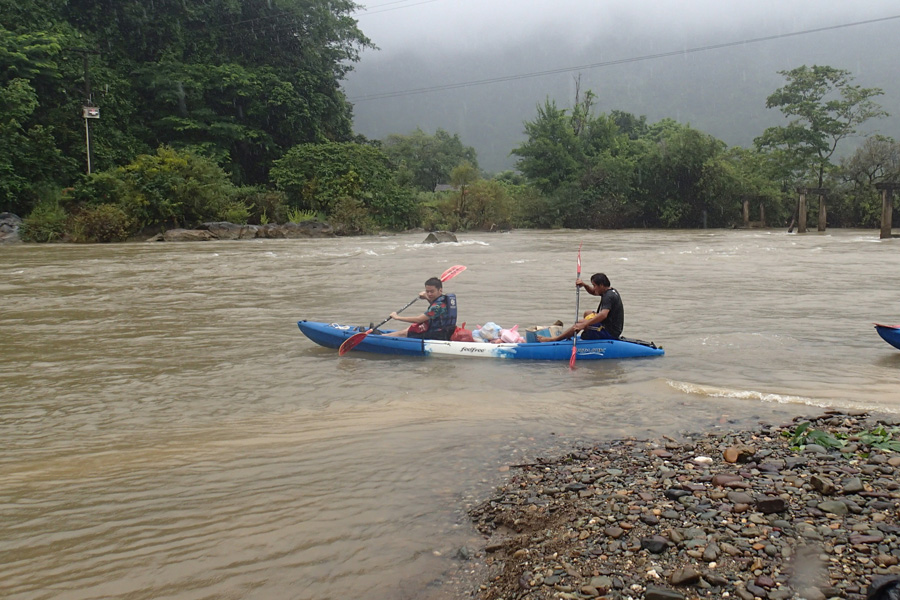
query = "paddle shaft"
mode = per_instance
[
  {"x": 577, "y": 310},
  {"x": 413, "y": 301}
]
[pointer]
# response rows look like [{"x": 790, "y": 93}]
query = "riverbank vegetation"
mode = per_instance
[{"x": 222, "y": 111}]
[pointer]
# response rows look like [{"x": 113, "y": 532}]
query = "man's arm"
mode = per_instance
[
  {"x": 587, "y": 287},
  {"x": 420, "y": 319}
]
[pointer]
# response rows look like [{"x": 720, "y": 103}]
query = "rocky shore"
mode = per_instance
[{"x": 782, "y": 512}]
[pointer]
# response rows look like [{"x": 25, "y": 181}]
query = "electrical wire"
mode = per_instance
[
  {"x": 621, "y": 61},
  {"x": 366, "y": 12}
]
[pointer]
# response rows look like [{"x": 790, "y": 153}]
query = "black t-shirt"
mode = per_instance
[{"x": 614, "y": 322}]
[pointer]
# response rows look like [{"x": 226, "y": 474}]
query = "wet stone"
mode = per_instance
[
  {"x": 822, "y": 484},
  {"x": 852, "y": 485},
  {"x": 740, "y": 498},
  {"x": 673, "y": 530},
  {"x": 757, "y": 591},
  {"x": 655, "y": 593},
  {"x": 655, "y": 545},
  {"x": 835, "y": 507},
  {"x": 675, "y": 494},
  {"x": 770, "y": 504},
  {"x": 685, "y": 576}
]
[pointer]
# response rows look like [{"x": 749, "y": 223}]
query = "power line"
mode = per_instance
[
  {"x": 621, "y": 61},
  {"x": 366, "y": 8},
  {"x": 366, "y": 12}
]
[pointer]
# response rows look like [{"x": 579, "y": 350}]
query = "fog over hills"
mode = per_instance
[{"x": 721, "y": 91}]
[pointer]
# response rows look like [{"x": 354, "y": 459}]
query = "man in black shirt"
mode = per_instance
[{"x": 605, "y": 324}]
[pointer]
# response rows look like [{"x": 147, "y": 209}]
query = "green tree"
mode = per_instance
[
  {"x": 429, "y": 159},
  {"x": 28, "y": 155},
  {"x": 737, "y": 173},
  {"x": 823, "y": 108},
  {"x": 552, "y": 153},
  {"x": 462, "y": 176},
  {"x": 240, "y": 82},
  {"x": 857, "y": 203},
  {"x": 673, "y": 170},
  {"x": 320, "y": 176}
]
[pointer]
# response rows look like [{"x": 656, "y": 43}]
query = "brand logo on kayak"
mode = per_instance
[
  {"x": 598, "y": 351},
  {"x": 472, "y": 349}
]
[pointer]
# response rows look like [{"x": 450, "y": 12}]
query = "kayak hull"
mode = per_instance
[
  {"x": 889, "y": 333},
  {"x": 332, "y": 335}
]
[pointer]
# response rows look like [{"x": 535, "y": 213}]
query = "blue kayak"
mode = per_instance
[
  {"x": 332, "y": 335},
  {"x": 889, "y": 333}
]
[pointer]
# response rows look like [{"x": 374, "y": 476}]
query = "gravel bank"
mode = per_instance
[{"x": 736, "y": 515}]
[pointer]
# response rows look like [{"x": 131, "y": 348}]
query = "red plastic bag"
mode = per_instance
[{"x": 461, "y": 334}]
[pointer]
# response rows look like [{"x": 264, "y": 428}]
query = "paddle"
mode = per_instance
[
  {"x": 577, "y": 316},
  {"x": 354, "y": 340}
]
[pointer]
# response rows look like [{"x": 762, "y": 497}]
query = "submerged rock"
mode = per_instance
[{"x": 437, "y": 237}]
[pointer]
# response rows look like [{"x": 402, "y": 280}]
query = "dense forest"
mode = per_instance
[{"x": 187, "y": 111}]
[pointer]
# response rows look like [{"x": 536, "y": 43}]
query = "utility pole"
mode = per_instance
[{"x": 88, "y": 110}]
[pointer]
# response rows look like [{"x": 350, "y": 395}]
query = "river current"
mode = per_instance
[{"x": 167, "y": 432}]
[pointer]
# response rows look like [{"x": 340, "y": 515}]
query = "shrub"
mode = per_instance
[
  {"x": 169, "y": 187},
  {"x": 396, "y": 209},
  {"x": 46, "y": 223},
  {"x": 102, "y": 224},
  {"x": 265, "y": 205},
  {"x": 295, "y": 215},
  {"x": 236, "y": 212},
  {"x": 350, "y": 217}
]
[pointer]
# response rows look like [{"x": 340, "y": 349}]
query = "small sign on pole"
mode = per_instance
[{"x": 91, "y": 112}]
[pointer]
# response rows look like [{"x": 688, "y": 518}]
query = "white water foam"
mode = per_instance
[{"x": 716, "y": 392}]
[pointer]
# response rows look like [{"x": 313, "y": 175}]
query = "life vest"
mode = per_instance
[{"x": 443, "y": 326}]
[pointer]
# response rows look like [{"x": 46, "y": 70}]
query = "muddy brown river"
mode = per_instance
[{"x": 167, "y": 432}]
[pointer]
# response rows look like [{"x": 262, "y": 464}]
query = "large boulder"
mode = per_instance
[
  {"x": 9, "y": 228},
  {"x": 185, "y": 235},
  {"x": 436, "y": 237},
  {"x": 224, "y": 230}
]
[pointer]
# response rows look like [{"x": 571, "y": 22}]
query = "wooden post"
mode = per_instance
[
  {"x": 801, "y": 211},
  {"x": 887, "y": 207},
  {"x": 746, "y": 212}
]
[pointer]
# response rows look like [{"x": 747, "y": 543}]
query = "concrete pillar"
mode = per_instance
[
  {"x": 762, "y": 215},
  {"x": 887, "y": 212},
  {"x": 746, "y": 212},
  {"x": 801, "y": 212},
  {"x": 822, "y": 215}
]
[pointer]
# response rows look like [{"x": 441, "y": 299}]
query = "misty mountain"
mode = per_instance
[{"x": 720, "y": 91}]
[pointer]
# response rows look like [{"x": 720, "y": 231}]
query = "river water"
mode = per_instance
[{"x": 167, "y": 432}]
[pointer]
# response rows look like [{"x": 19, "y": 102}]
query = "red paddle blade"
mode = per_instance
[
  {"x": 579, "y": 259},
  {"x": 452, "y": 272},
  {"x": 352, "y": 342},
  {"x": 572, "y": 359}
]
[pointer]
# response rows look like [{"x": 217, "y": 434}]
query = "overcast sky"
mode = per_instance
[
  {"x": 432, "y": 43},
  {"x": 445, "y": 25}
]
